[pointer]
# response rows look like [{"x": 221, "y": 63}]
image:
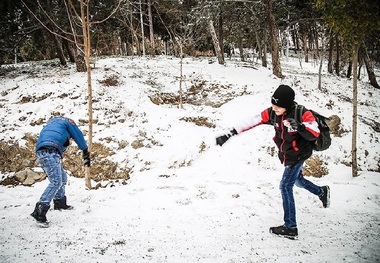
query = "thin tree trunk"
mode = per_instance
[
  {"x": 151, "y": 35},
  {"x": 215, "y": 40},
  {"x": 264, "y": 60},
  {"x": 296, "y": 40},
  {"x": 316, "y": 39},
  {"x": 180, "y": 103},
  {"x": 274, "y": 39},
  {"x": 322, "y": 53},
  {"x": 69, "y": 50},
  {"x": 221, "y": 35},
  {"x": 258, "y": 40},
  {"x": 240, "y": 46},
  {"x": 337, "y": 61},
  {"x": 349, "y": 70},
  {"x": 305, "y": 49},
  {"x": 331, "y": 49},
  {"x": 142, "y": 29},
  {"x": 355, "y": 113},
  {"x": 85, "y": 16},
  {"x": 59, "y": 51}
]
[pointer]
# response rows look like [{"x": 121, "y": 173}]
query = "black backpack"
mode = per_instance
[{"x": 323, "y": 142}]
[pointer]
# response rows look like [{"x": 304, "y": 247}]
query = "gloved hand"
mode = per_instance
[
  {"x": 222, "y": 139},
  {"x": 86, "y": 158},
  {"x": 67, "y": 143},
  {"x": 295, "y": 125}
]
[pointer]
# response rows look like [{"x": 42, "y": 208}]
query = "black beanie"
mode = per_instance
[{"x": 283, "y": 97}]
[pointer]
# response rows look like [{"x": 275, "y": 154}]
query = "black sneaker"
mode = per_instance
[
  {"x": 283, "y": 231},
  {"x": 325, "y": 197}
]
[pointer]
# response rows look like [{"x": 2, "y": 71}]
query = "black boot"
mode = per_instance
[
  {"x": 39, "y": 213},
  {"x": 283, "y": 231},
  {"x": 61, "y": 204}
]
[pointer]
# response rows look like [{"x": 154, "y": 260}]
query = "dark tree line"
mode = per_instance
[{"x": 47, "y": 29}]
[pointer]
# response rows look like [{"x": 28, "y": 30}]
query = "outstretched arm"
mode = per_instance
[{"x": 245, "y": 125}]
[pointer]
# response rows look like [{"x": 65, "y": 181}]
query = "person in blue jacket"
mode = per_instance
[{"x": 51, "y": 144}]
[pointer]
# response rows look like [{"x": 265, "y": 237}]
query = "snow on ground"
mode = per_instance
[{"x": 189, "y": 200}]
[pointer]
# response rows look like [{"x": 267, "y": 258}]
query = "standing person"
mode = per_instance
[
  {"x": 51, "y": 144},
  {"x": 294, "y": 141}
]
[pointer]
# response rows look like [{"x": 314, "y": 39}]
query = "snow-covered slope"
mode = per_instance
[{"x": 189, "y": 200}]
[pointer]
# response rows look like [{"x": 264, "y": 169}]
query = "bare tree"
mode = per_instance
[
  {"x": 84, "y": 16},
  {"x": 218, "y": 51},
  {"x": 85, "y": 19}
]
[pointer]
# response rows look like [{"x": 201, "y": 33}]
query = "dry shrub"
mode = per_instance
[
  {"x": 334, "y": 125},
  {"x": 109, "y": 81},
  {"x": 315, "y": 167},
  {"x": 101, "y": 168},
  {"x": 14, "y": 158}
]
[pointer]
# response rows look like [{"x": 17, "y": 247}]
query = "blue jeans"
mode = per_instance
[
  {"x": 293, "y": 176},
  {"x": 51, "y": 163}
]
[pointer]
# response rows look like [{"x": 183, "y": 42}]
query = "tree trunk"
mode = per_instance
[
  {"x": 337, "y": 61},
  {"x": 85, "y": 17},
  {"x": 240, "y": 46},
  {"x": 134, "y": 36},
  {"x": 305, "y": 49},
  {"x": 221, "y": 35},
  {"x": 274, "y": 39},
  {"x": 215, "y": 41},
  {"x": 316, "y": 39},
  {"x": 69, "y": 49},
  {"x": 287, "y": 35},
  {"x": 142, "y": 29},
  {"x": 180, "y": 103},
  {"x": 322, "y": 54},
  {"x": 264, "y": 61},
  {"x": 331, "y": 50},
  {"x": 259, "y": 42},
  {"x": 368, "y": 65},
  {"x": 355, "y": 112},
  {"x": 151, "y": 35},
  {"x": 295, "y": 41},
  {"x": 349, "y": 70},
  {"x": 59, "y": 51}
]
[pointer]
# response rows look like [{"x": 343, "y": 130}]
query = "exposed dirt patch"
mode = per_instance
[
  {"x": 201, "y": 93},
  {"x": 200, "y": 121},
  {"x": 112, "y": 80},
  {"x": 27, "y": 99}
]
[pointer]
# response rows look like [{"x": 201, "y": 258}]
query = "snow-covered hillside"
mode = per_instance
[{"x": 188, "y": 200}]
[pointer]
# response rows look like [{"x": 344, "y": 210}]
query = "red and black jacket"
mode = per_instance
[{"x": 294, "y": 146}]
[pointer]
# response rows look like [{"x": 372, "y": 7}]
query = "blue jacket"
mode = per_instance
[{"x": 57, "y": 133}]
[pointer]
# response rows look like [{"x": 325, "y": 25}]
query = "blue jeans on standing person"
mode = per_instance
[
  {"x": 51, "y": 163},
  {"x": 293, "y": 176}
]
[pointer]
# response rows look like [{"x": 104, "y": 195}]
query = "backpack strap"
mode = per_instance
[
  {"x": 298, "y": 110},
  {"x": 272, "y": 117}
]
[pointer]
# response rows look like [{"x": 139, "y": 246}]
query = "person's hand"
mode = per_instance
[
  {"x": 295, "y": 125},
  {"x": 223, "y": 138},
  {"x": 86, "y": 158}
]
